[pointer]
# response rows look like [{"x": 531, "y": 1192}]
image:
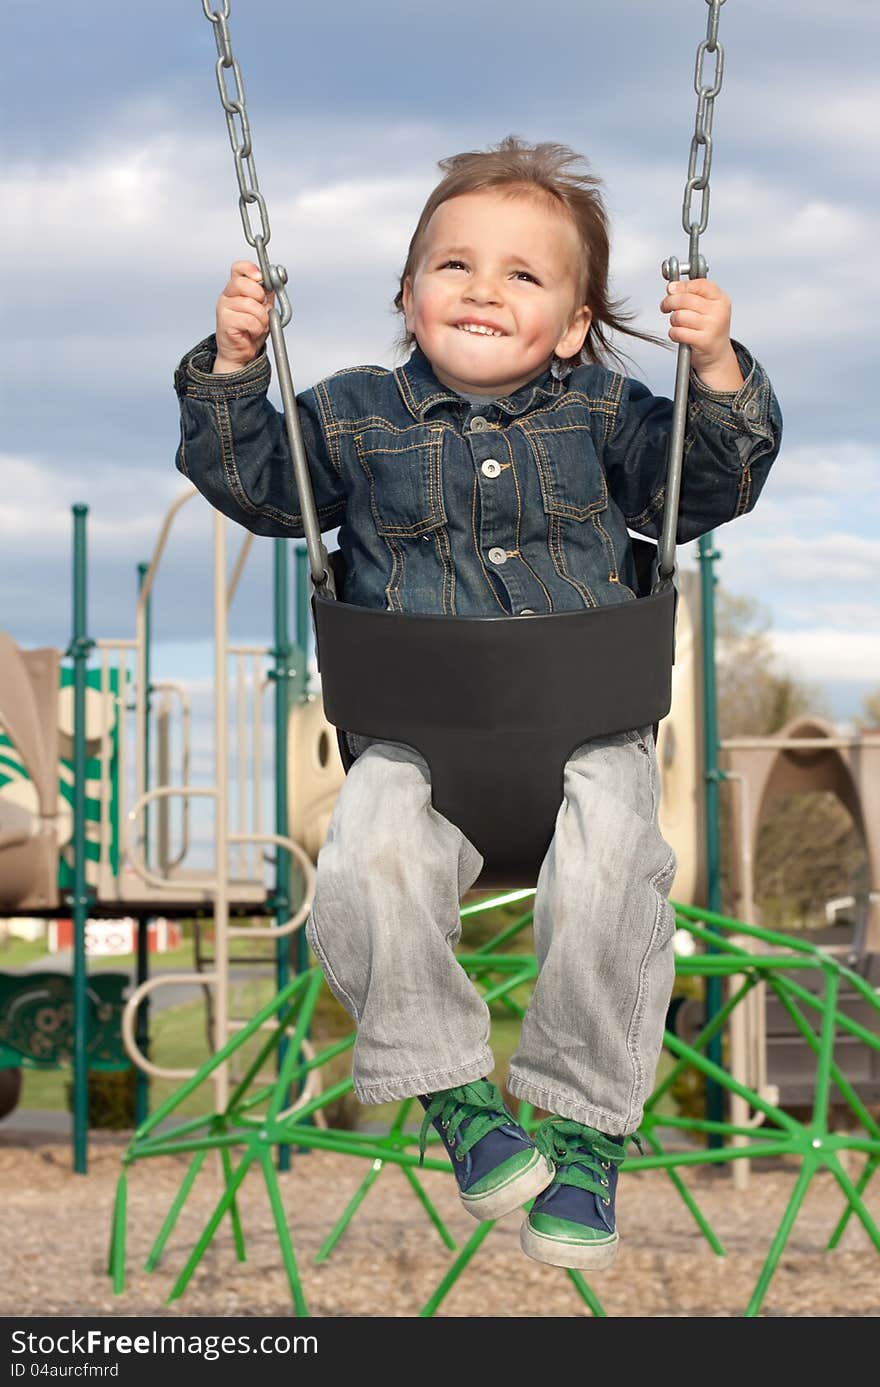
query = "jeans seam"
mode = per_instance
[
  {"x": 639, "y": 1008},
  {"x": 320, "y": 953}
]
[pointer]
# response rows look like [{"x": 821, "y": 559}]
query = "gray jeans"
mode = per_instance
[{"x": 385, "y": 922}]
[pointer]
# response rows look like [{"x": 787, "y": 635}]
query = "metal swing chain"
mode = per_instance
[
  {"x": 274, "y": 278},
  {"x": 696, "y": 268}
]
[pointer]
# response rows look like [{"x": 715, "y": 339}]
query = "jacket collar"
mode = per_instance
[{"x": 421, "y": 391}]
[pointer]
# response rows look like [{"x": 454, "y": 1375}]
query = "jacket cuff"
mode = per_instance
[
  {"x": 194, "y": 376},
  {"x": 747, "y": 409}
]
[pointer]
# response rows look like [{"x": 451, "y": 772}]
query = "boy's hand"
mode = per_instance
[
  {"x": 700, "y": 317},
  {"x": 242, "y": 318}
]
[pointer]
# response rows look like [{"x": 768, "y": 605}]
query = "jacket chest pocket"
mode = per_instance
[
  {"x": 405, "y": 473},
  {"x": 573, "y": 485}
]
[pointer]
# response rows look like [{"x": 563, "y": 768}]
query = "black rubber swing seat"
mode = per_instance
[{"x": 496, "y": 705}]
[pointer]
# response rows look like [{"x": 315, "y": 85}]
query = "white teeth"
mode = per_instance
[{"x": 478, "y": 327}]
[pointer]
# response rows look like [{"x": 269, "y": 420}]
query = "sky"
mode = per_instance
[{"x": 121, "y": 221}]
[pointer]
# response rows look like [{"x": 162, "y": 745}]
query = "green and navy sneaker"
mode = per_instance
[
  {"x": 497, "y": 1165},
  {"x": 572, "y": 1223}
]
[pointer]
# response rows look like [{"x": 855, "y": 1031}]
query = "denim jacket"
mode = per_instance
[{"x": 512, "y": 506}]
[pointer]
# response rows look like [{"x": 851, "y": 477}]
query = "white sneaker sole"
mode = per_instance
[
  {"x": 526, "y": 1184},
  {"x": 567, "y": 1252}
]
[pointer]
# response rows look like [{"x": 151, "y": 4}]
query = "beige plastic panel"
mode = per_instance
[
  {"x": 99, "y": 717},
  {"x": 680, "y": 751},
  {"x": 29, "y": 716},
  {"x": 29, "y": 875},
  {"x": 28, "y": 704},
  {"x": 315, "y": 774}
]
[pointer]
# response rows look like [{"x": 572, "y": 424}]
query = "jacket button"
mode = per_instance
[
  {"x": 752, "y": 410},
  {"x": 490, "y": 468},
  {"x": 498, "y": 556},
  {"x": 479, "y": 424},
  {"x": 527, "y": 611}
]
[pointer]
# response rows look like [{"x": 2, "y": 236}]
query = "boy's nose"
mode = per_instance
[{"x": 483, "y": 291}]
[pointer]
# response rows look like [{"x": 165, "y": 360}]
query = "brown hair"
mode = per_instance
[{"x": 541, "y": 170}]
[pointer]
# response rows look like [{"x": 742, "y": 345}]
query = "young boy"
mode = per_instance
[{"x": 496, "y": 473}]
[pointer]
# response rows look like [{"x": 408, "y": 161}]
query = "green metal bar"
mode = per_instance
[
  {"x": 282, "y": 1091},
  {"x": 456, "y": 1269},
  {"x": 845, "y": 1023},
  {"x": 510, "y": 932},
  {"x": 856, "y": 1202},
  {"x": 253, "y": 1069},
  {"x": 807, "y": 1171},
  {"x": 508, "y": 984},
  {"x": 587, "y": 1293},
  {"x": 299, "y": 1072},
  {"x": 716, "y": 1025},
  {"x": 422, "y": 1196},
  {"x": 809, "y": 1035},
  {"x": 725, "y": 1080},
  {"x": 213, "y": 1224},
  {"x": 174, "y": 1212},
  {"x": 478, "y": 907},
  {"x": 689, "y": 1201},
  {"x": 349, "y": 1211},
  {"x": 237, "y": 1231},
  {"x": 80, "y": 899},
  {"x": 284, "y": 1240},
  {"x": 707, "y": 556},
  {"x": 116, "y": 1267},
  {"x": 863, "y": 1182},
  {"x": 190, "y": 1085}
]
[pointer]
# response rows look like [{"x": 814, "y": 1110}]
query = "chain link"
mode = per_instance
[
  {"x": 700, "y": 157},
  {"x": 274, "y": 276}
]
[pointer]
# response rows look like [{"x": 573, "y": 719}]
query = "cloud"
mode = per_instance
[
  {"x": 825, "y": 653},
  {"x": 825, "y": 562},
  {"x": 128, "y": 504}
]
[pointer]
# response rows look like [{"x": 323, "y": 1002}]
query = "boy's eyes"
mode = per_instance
[{"x": 460, "y": 265}]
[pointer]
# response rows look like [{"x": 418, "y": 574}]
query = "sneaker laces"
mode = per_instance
[
  {"x": 479, "y": 1105},
  {"x": 581, "y": 1154}
]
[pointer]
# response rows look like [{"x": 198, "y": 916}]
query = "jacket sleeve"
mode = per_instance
[
  {"x": 731, "y": 440},
  {"x": 234, "y": 449}
]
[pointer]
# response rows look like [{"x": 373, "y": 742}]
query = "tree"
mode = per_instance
[
  {"x": 870, "y": 719},
  {"x": 809, "y": 849}
]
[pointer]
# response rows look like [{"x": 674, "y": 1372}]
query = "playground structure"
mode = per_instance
[
  {"x": 118, "y": 866},
  {"x": 132, "y": 866}
]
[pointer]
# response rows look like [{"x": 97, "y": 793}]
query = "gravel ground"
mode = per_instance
[{"x": 56, "y": 1225}]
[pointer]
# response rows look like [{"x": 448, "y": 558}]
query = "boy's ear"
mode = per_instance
[
  {"x": 575, "y": 334},
  {"x": 407, "y": 301}
]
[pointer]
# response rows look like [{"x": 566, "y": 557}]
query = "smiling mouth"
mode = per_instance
[{"x": 479, "y": 330}]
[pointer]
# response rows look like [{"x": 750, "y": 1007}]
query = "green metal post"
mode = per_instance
[
  {"x": 281, "y": 674},
  {"x": 713, "y": 984},
  {"x": 79, "y": 901},
  {"x": 142, "y": 1025}
]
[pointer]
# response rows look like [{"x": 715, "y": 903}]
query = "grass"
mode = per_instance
[{"x": 178, "y": 1038}]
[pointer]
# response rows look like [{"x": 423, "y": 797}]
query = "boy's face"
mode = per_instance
[{"x": 510, "y": 264}]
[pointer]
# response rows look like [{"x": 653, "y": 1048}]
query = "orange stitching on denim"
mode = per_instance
[
  {"x": 477, "y": 550},
  {"x": 444, "y": 549},
  {"x": 435, "y": 497},
  {"x": 554, "y": 531},
  {"x": 518, "y": 551},
  {"x": 654, "y": 505},
  {"x": 329, "y": 430},
  {"x": 545, "y": 476},
  {"x": 608, "y": 545}
]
